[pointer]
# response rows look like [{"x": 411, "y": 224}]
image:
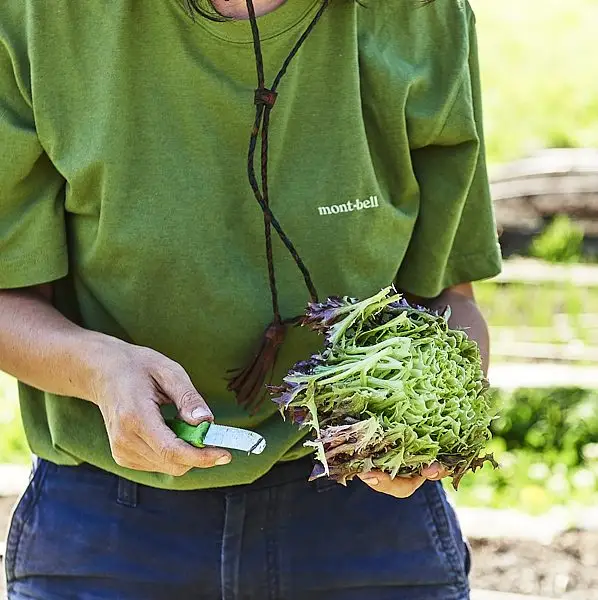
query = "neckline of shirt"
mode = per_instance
[{"x": 284, "y": 18}]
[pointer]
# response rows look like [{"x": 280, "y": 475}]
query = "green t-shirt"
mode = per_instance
[{"x": 124, "y": 129}]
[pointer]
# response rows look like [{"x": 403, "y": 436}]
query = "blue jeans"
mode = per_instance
[{"x": 79, "y": 533}]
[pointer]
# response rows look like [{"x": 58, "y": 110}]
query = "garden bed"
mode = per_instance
[{"x": 567, "y": 568}]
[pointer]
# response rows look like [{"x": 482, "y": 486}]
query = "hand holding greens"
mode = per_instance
[{"x": 394, "y": 389}]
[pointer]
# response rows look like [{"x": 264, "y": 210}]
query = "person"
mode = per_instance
[{"x": 134, "y": 282}]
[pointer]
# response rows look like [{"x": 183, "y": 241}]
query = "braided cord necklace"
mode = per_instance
[{"x": 248, "y": 383}]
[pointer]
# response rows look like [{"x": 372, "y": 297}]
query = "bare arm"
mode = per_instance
[
  {"x": 44, "y": 349},
  {"x": 39, "y": 346}
]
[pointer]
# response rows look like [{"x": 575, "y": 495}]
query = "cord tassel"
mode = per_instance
[{"x": 250, "y": 381}]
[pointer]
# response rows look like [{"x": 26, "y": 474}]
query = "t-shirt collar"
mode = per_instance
[{"x": 277, "y": 22}]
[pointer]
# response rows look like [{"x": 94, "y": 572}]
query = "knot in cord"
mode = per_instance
[{"x": 265, "y": 97}]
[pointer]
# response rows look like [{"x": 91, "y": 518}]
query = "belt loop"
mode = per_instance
[{"x": 128, "y": 493}]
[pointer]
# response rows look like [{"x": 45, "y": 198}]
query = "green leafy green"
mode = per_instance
[{"x": 394, "y": 389}]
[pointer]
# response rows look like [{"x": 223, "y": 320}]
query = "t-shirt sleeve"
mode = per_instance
[
  {"x": 455, "y": 236},
  {"x": 32, "y": 225}
]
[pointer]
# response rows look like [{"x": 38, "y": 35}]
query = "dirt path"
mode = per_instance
[{"x": 567, "y": 568}]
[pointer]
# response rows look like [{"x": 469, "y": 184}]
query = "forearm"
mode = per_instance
[
  {"x": 466, "y": 315},
  {"x": 39, "y": 346}
]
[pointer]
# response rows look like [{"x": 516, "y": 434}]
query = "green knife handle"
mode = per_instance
[{"x": 192, "y": 434}]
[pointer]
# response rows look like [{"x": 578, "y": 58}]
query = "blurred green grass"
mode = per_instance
[
  {"x": 545, "y": 441},
  {"x": 538, "y": 75},
  {"x": 529, "y": 483},
  {"x": 554, "y": 311}
]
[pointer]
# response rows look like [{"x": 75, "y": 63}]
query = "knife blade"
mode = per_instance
[{"x": 210, "y": 434}]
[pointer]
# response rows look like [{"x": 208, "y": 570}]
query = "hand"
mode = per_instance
[
  {"x": 132, "y": 384},
  {"x": 402, "y": 486}
]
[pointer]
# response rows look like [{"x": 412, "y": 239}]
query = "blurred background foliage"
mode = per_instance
[
  {"x": 538, "y": 75},
  {"x": 546, "y": 444}
]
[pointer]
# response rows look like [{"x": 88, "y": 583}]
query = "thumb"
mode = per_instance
[{"x": 191, "y": 406}]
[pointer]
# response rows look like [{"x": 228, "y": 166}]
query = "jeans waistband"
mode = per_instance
[{"x": 280, "y": 474}]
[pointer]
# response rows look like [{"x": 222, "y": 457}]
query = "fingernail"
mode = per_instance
[
  {"x": 200, "y": 413},
  {"x": 370, "y": 480},
  {"x": 223, "y": 460}
]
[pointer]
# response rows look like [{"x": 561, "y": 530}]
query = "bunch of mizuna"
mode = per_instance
[{"x": 394, "y": 389}]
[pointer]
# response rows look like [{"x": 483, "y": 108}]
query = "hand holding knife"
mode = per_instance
[{"x": 222, "y": 436}]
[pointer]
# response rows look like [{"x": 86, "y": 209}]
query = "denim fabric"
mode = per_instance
[{"x": 79, "y": 533}]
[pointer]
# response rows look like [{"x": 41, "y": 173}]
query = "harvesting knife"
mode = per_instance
[{"x": 209, "y": 434}]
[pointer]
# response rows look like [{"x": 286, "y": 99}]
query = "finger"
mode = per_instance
[
  {"x": 141, "y": 460},
  {"x": 434, "y": 472},
  {"x": 170, "y": 450},
  {"x": 399, "y": 487},
  {"x": 133, "y": 452},
  {"x": 178, "y": 388},
  {"x": 127, "y": 447}
]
